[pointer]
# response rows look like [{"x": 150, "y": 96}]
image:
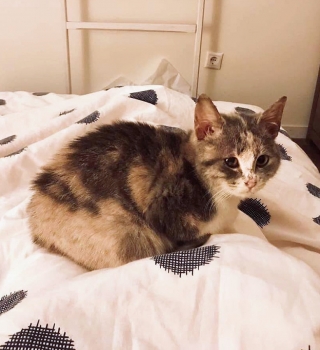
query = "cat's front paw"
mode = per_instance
[{"x": 195, "y": 243}]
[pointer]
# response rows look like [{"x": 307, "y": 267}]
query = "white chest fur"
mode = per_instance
[{"x": 223, "y": 220}]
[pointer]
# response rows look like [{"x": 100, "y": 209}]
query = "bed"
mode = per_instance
[{"x": 257, "y": 288}]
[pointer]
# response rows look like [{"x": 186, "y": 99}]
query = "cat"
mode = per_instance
[{"x": 128, "y": 191}]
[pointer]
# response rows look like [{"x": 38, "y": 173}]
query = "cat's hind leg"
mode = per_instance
[{"x": 109, "y": 237}]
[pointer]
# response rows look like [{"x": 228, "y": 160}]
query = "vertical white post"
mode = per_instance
[
  {"x": 197, "y": 48},
  {"x": 66, "y": 47}
]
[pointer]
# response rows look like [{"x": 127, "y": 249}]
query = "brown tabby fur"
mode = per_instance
[{"x": 129, "y": 190}]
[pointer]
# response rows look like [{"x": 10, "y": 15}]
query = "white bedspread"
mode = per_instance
[{"x": 258, "y": 288}]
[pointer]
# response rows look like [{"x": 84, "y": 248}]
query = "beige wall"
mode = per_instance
[
  {"x": 31, "y": 45},
  {"x": 271, "y": 47}
]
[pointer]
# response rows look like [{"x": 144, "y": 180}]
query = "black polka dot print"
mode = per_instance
[
  {"x": 39, "y": 338},
  {"x": 113, "y": 87},
  {"x": 7, "y": 139},
  {"x": 148, "y": 96},
  {"x": 66, "y": 112},
  {"x": 246, "y": 111},
  {"x": 283, "y": 132},
  {"x": 40, "y": 93},
  {"x": 91, "y": 118},
  {"x": 256, "y": 210},
  {"x": 2, "y": 102},
  {"x": 8, "y": 302},
  {"x": 283, "y": 153},
  {"x": 16, "y": 152},
  {"x": 317, "y": 220},
  {"x": 186, "y": 261},
  {"x": 314, "y": 190}
]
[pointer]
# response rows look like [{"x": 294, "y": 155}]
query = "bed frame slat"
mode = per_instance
[
  {"x": 150, "y": 27},
  {"x": 147, "y": 27},
  {"x": 197, "y": 48}
]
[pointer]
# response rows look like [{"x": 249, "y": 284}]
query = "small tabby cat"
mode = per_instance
[{"x": 127, "y": 191}]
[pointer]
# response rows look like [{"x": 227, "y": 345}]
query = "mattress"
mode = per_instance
[{"x": 257, "y": 288}]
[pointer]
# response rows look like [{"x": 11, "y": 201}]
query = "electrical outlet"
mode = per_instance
[{"x": 214, "y": 60}]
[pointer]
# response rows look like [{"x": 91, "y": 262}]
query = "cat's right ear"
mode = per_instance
[
  {"x": 271, "y": 118},
  {"x": 207, "y": 119}
]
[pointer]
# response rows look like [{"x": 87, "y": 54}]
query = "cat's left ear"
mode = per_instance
[
  {"x": 207, "y": 119},
  {"x": 271, "y": 118}
]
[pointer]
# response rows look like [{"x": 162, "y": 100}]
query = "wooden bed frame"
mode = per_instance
[
  {"x": 313, "y": 134},
  {"x": 193, "y": 29}
]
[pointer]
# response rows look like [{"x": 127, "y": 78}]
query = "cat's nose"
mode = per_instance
[{"x": 251, "y": 183}]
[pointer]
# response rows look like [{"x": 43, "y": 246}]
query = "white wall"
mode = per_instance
[
  {"x": 133, "y": 54},
  {"x": 271, "y": 47},
  {"x": 31, "y": 46}
]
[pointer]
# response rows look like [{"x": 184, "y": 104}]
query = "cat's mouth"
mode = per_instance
[
  {"x": 254, "y": 189},
  {"x": 242, "y": 190}
]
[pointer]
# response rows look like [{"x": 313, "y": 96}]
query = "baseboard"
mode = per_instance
[{"x": 295, "y": 131}]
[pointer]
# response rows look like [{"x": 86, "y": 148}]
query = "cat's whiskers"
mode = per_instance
[
  {"x": 224, "y": 196},
  {"x": 220, "y": 196},
  {"x": 210, "y": 202}
]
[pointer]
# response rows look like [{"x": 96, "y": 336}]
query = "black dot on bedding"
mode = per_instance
[
  {"x": 7, "y": 139},
  {"x": 186, "y": 261},
  {"x": 245, "y": 111},
  {"x": 314, "y": 190},
  {"x": 2, "y": 102},
  {"x": 91, "y": 118},
  {"x": 317, "y": 220},
  {"x": 40, "y": 93},
  {"x": 283, "y": 153},
  {"x": 66, "y": 112},
  {"x": 16, "y": 152},
  {"x": 8, "y": 302},
  {"x": 38, "y": 337},
  {"x": 256, "y": 210},
  {"x": 283, "y": 132},
  {"x": 149, "y": 96}
]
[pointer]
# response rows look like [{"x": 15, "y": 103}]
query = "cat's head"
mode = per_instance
[{"x": 236, "y": 154}]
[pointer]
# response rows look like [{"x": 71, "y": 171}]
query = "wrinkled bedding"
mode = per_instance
[{"x": 258, "y": 288}]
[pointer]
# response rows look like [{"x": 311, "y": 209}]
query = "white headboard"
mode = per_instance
[{"x": 191, "y": 29}]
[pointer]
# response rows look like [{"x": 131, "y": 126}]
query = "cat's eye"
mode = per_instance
[
  {"x": 262, "y": 161},
  {"x": 232, "y": 162}
]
